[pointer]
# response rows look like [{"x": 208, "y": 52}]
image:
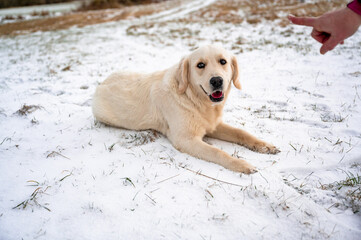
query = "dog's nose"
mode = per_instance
[{"x": 216, "y": 82}]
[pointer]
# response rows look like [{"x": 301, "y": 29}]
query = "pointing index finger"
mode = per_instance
[{"x": 306, "y": 21}]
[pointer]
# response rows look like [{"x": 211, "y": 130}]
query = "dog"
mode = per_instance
[{"x": 184, "y": 102}]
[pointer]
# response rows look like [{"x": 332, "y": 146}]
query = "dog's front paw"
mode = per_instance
[
  {"x": 243, "y": 167},
  {"x": 250, "y": 170},
  {"x": 267, "y": 148}
]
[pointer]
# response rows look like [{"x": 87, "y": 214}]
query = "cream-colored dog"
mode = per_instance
[{"x": 184, "y": 102}]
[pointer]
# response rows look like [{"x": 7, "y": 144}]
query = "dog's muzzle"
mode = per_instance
[{"x": 217, "y": 84}]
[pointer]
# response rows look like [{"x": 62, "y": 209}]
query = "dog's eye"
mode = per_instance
[
  {"x": 201, "y": 65},
  {"x": 222, "y": 61}
]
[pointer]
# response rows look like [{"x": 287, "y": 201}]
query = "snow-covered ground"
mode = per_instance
[{"x": 64, "y": 176}]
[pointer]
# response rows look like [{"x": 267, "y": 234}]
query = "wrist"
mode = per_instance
[
  {"x": 355, "y": 6},
  {"x": 355, "y": 10}
]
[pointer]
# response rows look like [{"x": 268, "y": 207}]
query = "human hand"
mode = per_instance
[{"x": 331, "y": 28}]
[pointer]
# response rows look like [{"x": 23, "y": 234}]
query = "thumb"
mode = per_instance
[
  {"x": 306, "y": 21},
  {"x": 330, "y": 44}
]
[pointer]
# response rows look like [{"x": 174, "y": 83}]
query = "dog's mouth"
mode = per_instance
[{"x": 216, "y": 96}]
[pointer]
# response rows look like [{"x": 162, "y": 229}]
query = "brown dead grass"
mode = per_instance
[
  {"x": 81, "y": 19},
  {"x": 107, "y": 4},
  {"x": 27, "y": 109},
  {"x": 254, "y": 11}
]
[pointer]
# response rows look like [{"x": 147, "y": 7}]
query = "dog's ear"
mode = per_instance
[
  {"x": 235, "y": 73},
  {"x": 182, "y": 75}
]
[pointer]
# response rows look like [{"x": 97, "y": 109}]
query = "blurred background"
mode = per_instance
[
  {"x": 19, "y": 16},
  {"x": 94, "y": 3}
]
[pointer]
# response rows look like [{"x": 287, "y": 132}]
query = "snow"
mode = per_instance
[{"x": 90, "y": 181}]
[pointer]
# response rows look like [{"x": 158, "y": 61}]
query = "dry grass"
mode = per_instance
[
  {"x": 41, "y": 13},
  {"x": 233, "y": 11},
  {"x": 62, "y": 22},
  {"x": 254, "y": 11},
  {"x": 81, "y": 19},
  {"x": 141, "y": 138},
  {"x": 27, "y": 109},
  {"x": 348, "y": 192},
  {"x": 107, "y": 4},
  {"x": 33, "y": 200}
]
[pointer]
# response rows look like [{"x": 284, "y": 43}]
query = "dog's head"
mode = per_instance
[{"x": 208, "y": 71}]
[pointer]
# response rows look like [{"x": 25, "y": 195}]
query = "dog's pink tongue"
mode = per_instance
[{"x": 217, "y": 94}]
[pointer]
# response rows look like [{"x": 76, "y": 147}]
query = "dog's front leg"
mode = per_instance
[
  {"x": 196, "y": 147},
  {"x": 235, "y": 135}
]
